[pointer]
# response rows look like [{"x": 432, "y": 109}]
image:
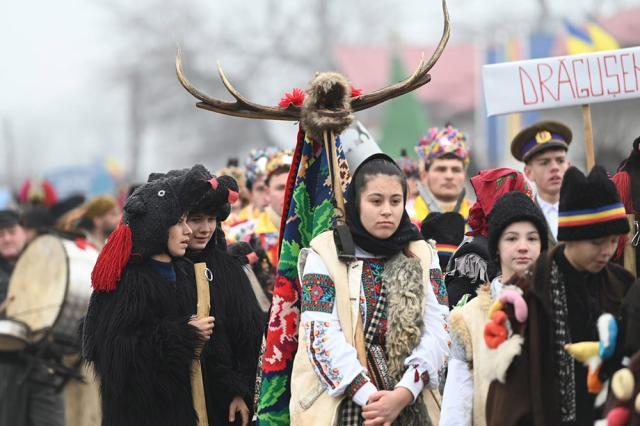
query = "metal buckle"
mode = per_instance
[
  {"x": 208, "y": 274},
  {"x": 636, "y": 237}
]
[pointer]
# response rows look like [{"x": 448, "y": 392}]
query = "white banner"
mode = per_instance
[{"x": 561, "y": 81}]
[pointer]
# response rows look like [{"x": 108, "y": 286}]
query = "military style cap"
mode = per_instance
[{"x": 540, "y": 137}]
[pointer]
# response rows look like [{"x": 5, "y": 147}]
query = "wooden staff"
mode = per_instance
[
  {"x": 588, "y": 136},
  {"x": 202, "y": 310},
  {"x": 629, "y": 248},
  {"x": 334, "y": 173}
]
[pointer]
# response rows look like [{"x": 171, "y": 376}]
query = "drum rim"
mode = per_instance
[
  {"x": 25, "y": 326},
  {"x": 49, "y": 331},
  {"x": 46, "y": 332}
]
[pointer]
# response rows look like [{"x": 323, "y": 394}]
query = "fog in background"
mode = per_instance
[{"x": 89, "y": 80}]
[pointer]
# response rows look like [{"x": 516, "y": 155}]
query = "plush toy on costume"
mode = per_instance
[
  {"x": 593, "y": 354},
  {"x": 623, "y": 405},
  {"x": 503, "y": 332}
]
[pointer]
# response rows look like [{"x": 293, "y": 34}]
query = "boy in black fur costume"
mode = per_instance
[
  {"x": 139, "y": 332},
  {"x": 229, "y": 360}
]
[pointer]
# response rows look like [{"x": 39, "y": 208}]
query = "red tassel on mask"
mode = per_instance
[
  {"x": 232, "y": 197},
  {"x": 622, "y": 180},
  {"x": 112, "y": 259},
  {"x": 214, "y": 183},
  {"x": 622, "y": 243}
]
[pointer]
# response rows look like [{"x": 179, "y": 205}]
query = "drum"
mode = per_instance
[
  {"x": 14, "y": 335},
  {"x": 51, "y": 285}
]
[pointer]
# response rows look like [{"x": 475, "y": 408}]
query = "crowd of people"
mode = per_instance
[{"x": 419, "y": 305}]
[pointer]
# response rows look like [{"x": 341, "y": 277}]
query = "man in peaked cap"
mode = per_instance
[
  {"x": 543, "y": 148},
  {"x": 565, "y": 291}
]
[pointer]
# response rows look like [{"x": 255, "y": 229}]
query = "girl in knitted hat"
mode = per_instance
[
  {"x": 139, "y": 332},
  {"x": 517, "y": 235}
]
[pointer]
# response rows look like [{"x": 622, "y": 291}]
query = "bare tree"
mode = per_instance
[{"x": 268, "y": 48}]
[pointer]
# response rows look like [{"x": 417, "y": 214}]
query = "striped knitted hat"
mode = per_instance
[{"x": 590, "y": 207}]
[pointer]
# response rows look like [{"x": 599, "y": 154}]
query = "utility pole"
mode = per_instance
[
  {"x": 136, "y": 123},
  {"x": 9, "y": 149}
]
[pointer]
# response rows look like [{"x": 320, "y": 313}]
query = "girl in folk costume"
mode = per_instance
[
  {"x": 139, "y": 332},
  {"x": 316, "y": 176},
  {"x": 469, "y": 266},
  {"x": 517, "y": 235},
  {"x": 385, "y": 293},
  {"x": 229, "y": 360}
]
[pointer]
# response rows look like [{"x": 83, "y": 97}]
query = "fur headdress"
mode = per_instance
[
  {"x": 147, "y": 216},
  {"x": 327, "y": 104}
]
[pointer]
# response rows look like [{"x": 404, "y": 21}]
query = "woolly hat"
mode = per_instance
[
  {"x": 9, "y": 218},
  {"x": 99, "y": 206},
  {"x": 439, "y": 142},
  {"x": 280, "y": 160},
  {"x": 540, "y": 137},
  {"x": 447, "y": 229},
  {"x": 590, "y": 206},
  {"x": 36, "y": 217},
  {"x": 627, "y": 180},
  {"x": 223, "y": 191},
  {"x": 256, "y": 164},
  {"x": 514, "y": 207},
  {"x": 147, "y": 216},
  {"x": 219, "y": 197},
  {"x": 65, "y": 205},
  {"x": 408, "y": 165}
]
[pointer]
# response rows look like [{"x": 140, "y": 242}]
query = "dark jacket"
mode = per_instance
[
  {"x": 5, "y": 275},
  {"x": 230, "y": 359},
  {"x": 530, "y": 395},
  {"x": 476, "y": 269},
  {"x": 141, "y": 345}
]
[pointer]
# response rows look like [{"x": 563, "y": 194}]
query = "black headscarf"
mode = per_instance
[{"x": 405, "y": 233}]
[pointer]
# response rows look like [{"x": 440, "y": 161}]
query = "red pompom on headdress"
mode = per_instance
[
  {"x": 232, "y": 196},
  {"x": 214, "y": 183},
  {"x": 355, "y": 92},
  {"x": 112, "y": 259},
  {"x": 296, "y": 97}
]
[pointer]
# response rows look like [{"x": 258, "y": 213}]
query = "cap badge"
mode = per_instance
[{"x": 543, "y": 137}]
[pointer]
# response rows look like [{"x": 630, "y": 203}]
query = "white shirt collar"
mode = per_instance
[{"x": 547, "y": 206}]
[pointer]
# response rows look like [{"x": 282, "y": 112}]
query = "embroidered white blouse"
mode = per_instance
[{"x": 336, "y": 363}]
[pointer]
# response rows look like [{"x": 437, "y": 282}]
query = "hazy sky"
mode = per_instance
[{"x": 61, "y": 111}]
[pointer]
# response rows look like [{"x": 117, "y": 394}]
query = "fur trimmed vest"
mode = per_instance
[{"x": 405, "y": 279}]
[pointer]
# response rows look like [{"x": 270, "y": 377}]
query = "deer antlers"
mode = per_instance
[{"x": 242, "y": 107}]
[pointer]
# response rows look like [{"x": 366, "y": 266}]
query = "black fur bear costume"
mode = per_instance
[{"x": 136, "y": 332}]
